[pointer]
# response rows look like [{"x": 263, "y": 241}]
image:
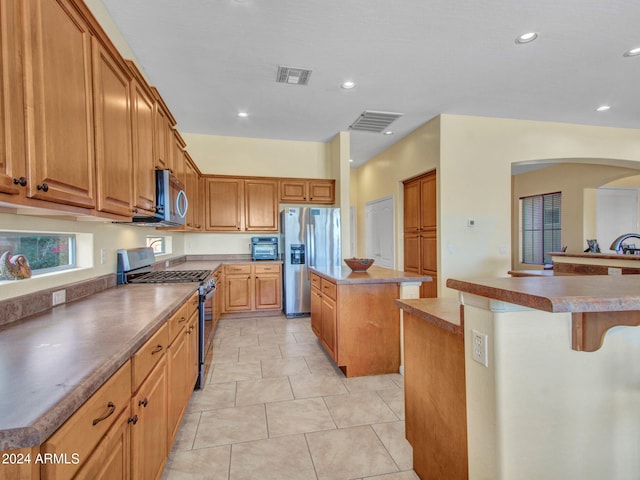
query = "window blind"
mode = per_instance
[{"x": 541, "y": 227}]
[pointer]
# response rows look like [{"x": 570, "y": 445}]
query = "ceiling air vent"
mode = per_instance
[
  {"x": 372, "y": 121},
  {"x": 293, "y": 75}
]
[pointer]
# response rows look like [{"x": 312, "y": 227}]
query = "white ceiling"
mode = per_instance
[{"x": 213, "y": 58}]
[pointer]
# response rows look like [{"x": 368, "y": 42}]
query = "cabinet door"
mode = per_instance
[
  {"x": 149, "y": 447},
  {"x": 111, "y": 458},
  {"x": 224, "y": 204},
  {"x": 13, "y": 167},
  {"x": 163, "y": 135},
  {"x": 412, "y": 253},
  {"x": 428, "y": 252},
  {"x": 193, "y": 193},
  {"x": 237, "y": 293},
  {"x": 294, "y": 191},
  {"x": 261, "y": 205},
  {"x": 428, "y": 202},
  {"x": 412, "y": 206},
  {"x": 114, "y": 165},
  {"x": 329, "y": 325},
  {"x": 193, "y": 363},
  {"x": 316, "y": 312},
  {"x": 60, "y": 105},
  {"x": 268, "y": 288},
  {"x": 322, "y": 191},
  {"x": 144, "y": 187},
  {"x": 178, "y": 360}
]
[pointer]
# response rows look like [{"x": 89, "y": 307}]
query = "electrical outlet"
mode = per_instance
[
  {"x": 614, "y": 271},
  {"x": 480, "y": 350},
  {"x": 58, "y": 297}
]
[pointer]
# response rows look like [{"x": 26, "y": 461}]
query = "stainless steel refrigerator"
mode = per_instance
[{"x": 309, "y": 236}]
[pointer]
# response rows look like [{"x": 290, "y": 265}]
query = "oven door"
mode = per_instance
[
  {"x": 205, "y": 336},
  {"x": 264, "y": 251}
]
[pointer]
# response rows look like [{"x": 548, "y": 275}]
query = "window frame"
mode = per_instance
[
  {"x": 541, "y": 228},
  {"x": 70, "y": 238}
]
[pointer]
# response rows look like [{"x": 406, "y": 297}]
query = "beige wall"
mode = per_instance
[
  {"x": 578, "y": 212},
  {"x": 382, "y": 176},
  {"x": 92, "y": 238},
  {"x": 219, "y": 155}
]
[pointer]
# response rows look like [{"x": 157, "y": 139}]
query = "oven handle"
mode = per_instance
[{"x": 208, "y": 295}]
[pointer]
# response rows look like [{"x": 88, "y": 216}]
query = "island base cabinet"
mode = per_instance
[{"x": 435, "y": 400}]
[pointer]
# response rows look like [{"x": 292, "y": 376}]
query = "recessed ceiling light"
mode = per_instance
[
  {"x": 603, "y": 108},
  {"x": 632, "y": 53},
  {"x": 527, "y": 37},
  {"x": 388, "y": 132},
  {"x": 243, "y": 114},
  {"x": 348, "y": 85}
]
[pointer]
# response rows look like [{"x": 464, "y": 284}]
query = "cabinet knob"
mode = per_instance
[
  {"x": 44, "y": 187},
  {"x": 143, "y": 403},
  {"x": 20, "y": 181},
  {"x": 133, "y": 419},
  {"x": 156, "y": 350}
]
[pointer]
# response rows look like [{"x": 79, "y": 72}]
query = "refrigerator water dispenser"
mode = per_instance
[{"x": 297, "y": 254}]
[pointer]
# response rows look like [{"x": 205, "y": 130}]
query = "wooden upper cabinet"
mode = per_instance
[
  {"x": 59, "y": 104},
  {"x": 13, "y": 165},
  {"x": 299, "y": 190},
  {"x": 192, "y": 184},
  {"x": 224, "y": 204},
  {"x": 143, "y": 125},
  {"x": 164, "y": 123},
  {"x": 177, "y": 157},
  {"x": 112, "y": 107},
  {"x": 428, "y": 202},
  {"x": 261, "y": 205}
]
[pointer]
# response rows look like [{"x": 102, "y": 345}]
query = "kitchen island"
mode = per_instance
[
  {"x": 354, "y": 316},
  {"x": 557, "y": 394}
]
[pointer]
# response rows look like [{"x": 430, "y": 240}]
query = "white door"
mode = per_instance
[
  {"x": 379, "y": 228},
  {"x": 616, "y": 214}
]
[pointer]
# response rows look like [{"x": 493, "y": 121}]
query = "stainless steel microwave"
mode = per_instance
[
  {"x": 171, "y": 202},
  {"x": 264, "y": 248}
]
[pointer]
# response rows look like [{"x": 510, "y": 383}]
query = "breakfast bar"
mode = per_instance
[{"x": 552, "y": 368}]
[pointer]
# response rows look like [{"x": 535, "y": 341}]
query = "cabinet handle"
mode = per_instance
[
  {"x": 135, "y": 210},
  {"x": 182, "y": 319},
  {"x": 44, "y": 187},
  {"x": 112, "y": 408},
  {"x": 20, "y": 181},
  {"x": 156, "y": 350},
  {"x": 143, "y": 403},
  {"x": 133, "y": 419}
]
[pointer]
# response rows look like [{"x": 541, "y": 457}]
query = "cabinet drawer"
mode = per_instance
[
  {"x": 193, "y": 304},
  {"x": 329, "y": 289},
  {"x": 148, "y": 355},
  {"x": 236, "y": 269},
  {"x": 268, "y": 268},
  {"x": 315, "y": 280},
  {"x": 84, "y": 429},
  {"x": 178, "y": 321}
]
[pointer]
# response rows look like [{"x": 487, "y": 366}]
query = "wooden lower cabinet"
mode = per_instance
[
  {"x": 149, "y": 446},
  {"x": 126, "y": 428},
  {"x": 435, "y": 400},
  {"x": 358, "y": 325},
  {"x": 252, "y": 287}
]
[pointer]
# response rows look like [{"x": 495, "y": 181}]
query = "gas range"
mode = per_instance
[{"x": 136, "y": 266}]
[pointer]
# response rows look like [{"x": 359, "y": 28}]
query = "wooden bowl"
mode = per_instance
[{"x": 359, "y": 264}]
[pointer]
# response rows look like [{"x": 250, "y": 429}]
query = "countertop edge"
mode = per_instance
[
  {"x": 354, "y": 278},
  {"x": 441, "y": 312}
]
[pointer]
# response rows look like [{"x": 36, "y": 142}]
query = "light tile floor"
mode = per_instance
[{"x": 275, "y": 407}]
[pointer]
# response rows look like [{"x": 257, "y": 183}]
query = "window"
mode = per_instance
[
  {"x": 541, "y": 227},
  {"x": 158, "y": 244},
  {"x": 46, "y": 252}
]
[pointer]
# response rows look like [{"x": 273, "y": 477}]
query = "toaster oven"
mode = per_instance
[{"x": 264, "y": 248}]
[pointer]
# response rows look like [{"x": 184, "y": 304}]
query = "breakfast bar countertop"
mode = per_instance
[
  {"x": 445, "y": 313},
  {"x": 375, "y": 274}
]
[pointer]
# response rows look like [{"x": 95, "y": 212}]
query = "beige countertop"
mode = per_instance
[
  {"x": 344, "y": 275},
  {"x": 51, "y": 363},
  {"x": 442, "y": 312},
  {"x": 608, "y": 256},
  {"x": 570, "y": 293}
]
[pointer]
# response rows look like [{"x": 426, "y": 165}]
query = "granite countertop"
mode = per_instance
[
  {"x": 51, "y": 363},
  {"x": 442, "y": 312},
  {"x": 570, "y": 293},
  {"x": 608, "y": 256},
  {"x": 344, "y": 275}
]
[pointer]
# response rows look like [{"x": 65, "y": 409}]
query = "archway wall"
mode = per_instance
[{"x": 476, "y": 157}]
